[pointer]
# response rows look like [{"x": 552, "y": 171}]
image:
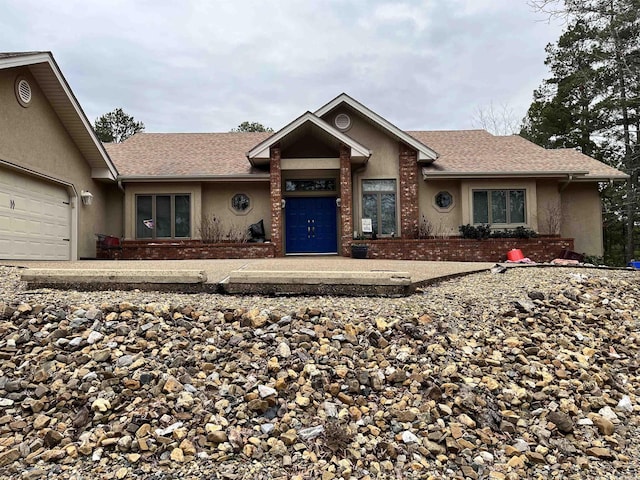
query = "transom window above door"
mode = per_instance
[
  {"x": 163, "y": 216},
  {"x": 379, "y": 204},
  {"x": 499, "y": 207},
  {"x": 311, "y": 185}
]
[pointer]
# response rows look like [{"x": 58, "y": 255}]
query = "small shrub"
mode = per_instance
[
  {"x": 426, "y": 228},
  {"x": 237, "y": 234},
  {"x": 480, "y": 232},
  {"x": 337, "y": 437},
  {"x": 211, "y": 229}
]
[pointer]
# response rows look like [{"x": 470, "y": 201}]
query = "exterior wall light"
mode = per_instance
[
  {"x": 338, "y": 202},
  {"x": 87, "y": 197},
  {"x": 283, "y": 203}
]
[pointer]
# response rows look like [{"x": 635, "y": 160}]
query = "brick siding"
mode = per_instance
[
  {"x": 541, "y": 249},
  {"x": 409, "y": 208},
  {"x": 276, "y": 201},
  {"x": 346, "y": 201},
  {"x": 185, "y": 250}
]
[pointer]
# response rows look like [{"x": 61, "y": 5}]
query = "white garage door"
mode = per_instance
[{"x": 35, "y": 219}]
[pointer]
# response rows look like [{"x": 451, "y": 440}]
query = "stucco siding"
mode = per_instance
[
  {"x": 34, "y": 139},
  {"x": 444, "y": 222},
  {"x": 216, "y": 200},
  {"x": 582, "y": 217},
  {"x": 549, "y": 207}
]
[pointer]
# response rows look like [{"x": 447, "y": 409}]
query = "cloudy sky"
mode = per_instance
[{"x": 198, "y": 66}]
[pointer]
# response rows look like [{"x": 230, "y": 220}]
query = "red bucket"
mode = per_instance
[{"x": 515, "y": 255}]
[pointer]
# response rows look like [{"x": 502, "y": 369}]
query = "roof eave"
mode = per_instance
[
  {"x": 250, "y": 177},
  {"x": 426, "y": 174}
]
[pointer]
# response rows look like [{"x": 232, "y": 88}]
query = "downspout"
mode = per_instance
[{"x": 566, "y": 184}]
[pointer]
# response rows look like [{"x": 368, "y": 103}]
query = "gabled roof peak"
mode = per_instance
[
  {"x": 425, "y": 154},
  {"x": 261, "y": 151}
]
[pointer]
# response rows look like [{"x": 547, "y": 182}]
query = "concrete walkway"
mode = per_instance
[{"x": 301, "y": 274}]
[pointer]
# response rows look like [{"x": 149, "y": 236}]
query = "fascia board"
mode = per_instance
[
  {"x": 24, "y": 60},
  {"x": 262, "y": 149},
  {"x": 424, "y": 152},
  {"x": 531, "y": 174},
  {"x": 198, "y": 178}
]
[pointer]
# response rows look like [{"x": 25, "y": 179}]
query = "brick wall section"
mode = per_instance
[
  {"x": 346, "y": 199},
  {"x": 186, "y": 250},
  {"x": 276, "y": 201},
  {"x": 449, "y": 249},
  {"x": 542, "y": 249},
  {"x": 409, "y": 208}
]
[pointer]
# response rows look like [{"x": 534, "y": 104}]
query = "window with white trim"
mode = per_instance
[
  {"x": 379, "y": 204},
  {"x": 507, "y": 207},
  {"x": 163, "y": 216}
]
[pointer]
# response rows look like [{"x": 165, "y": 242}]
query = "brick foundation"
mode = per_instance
[
  {"x": 408, "y": 190},
  {"x": 186, "y": 250},
  {"x": 453, "y": 249},
  {"x": 346, "y": 202}
]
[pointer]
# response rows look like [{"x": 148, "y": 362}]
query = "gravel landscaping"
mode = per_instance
[{"x": 531, "y": 373}]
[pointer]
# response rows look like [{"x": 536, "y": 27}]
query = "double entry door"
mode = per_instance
[{"x": 311, "y": 225}]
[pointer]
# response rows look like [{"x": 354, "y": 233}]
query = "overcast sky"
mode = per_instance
[{"x": 206, "y": 66}]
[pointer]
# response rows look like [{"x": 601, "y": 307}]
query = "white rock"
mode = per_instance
[
  {"x": 311, "y": 432},
  {"x": 267, "y": 428},
  {"x": 94, "y": 337},
  {"x": 283, "y": 350},
  {"x": 408, "y": 437},
  {"x": 162, "y": 432},
  {"x": 585, "y": 421},
  {"x": 608, "y": 413},
  {"x": 625, "y": 404},
  {"x": 266, "y": 391}
]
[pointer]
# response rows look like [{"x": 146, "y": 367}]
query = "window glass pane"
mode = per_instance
[
  {"x": 388, "y": 212},
  {"x": 379, "y": 186},
  {"x": 480, "y": 207},
  {"x": 370, "y": 209},
  {"x": 499, "y": 206},
  {"x": 183, "y": 217},
  {"x": 516, "y": 206},
  {"x": 163, "y": 216},
  {"x": 317, "y": 185},
  {"x": 144, "y": 217}
]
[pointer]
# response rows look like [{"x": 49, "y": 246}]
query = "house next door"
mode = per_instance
[{"x": 311, "y": 225}]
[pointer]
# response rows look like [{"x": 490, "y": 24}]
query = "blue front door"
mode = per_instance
[{"x": 311, "y": 225}]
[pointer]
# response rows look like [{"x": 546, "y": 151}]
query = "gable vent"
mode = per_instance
[
  {"x": 342, "y": 121},
  {"x": 23, "y": 92}
]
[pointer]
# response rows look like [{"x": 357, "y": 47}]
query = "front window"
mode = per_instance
[
  {"x": 499, "y": 206},
  {"x": 379, "y": 204},
  {"x": 163, "y": 216}
]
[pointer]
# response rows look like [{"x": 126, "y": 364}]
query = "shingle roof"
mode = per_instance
[
  {"x": 185, "y": 154},
  {"x": 478, "y": 152},
  {"x": 19, "y": 54},
  {"x": 462, "y": 153}
]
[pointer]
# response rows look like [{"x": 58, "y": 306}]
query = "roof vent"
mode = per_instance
[
  {"x": 342, "y": 121},
  {"x": 23, "y": 92}
]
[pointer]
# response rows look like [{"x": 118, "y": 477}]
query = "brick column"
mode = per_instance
[
  {"x": 346, "y": 199},
  {"x": 276, "y": 200},
  {"x": 409, "y": 208}
]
